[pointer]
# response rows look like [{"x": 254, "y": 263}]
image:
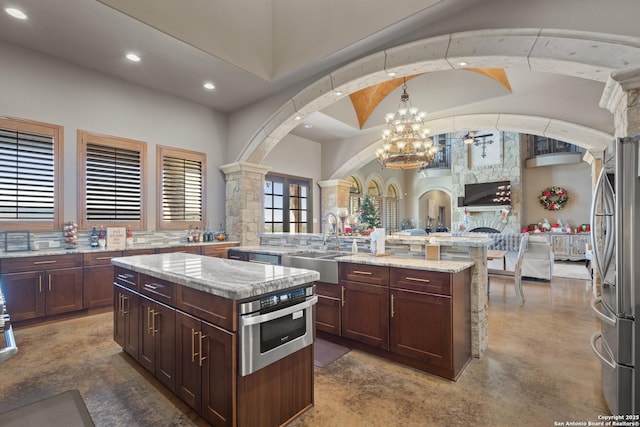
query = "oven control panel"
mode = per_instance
[{"x": 281, "y": 299}]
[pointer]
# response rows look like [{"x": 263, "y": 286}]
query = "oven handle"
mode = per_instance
[
  {"x": 595, "y": 338},
  {"x": 607, "y": 319},
  {"x": 11, "y": 348},
  {"x": 248, "y": 320}
]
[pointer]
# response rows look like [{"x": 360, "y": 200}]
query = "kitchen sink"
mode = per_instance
[{"x": 323, "y": 262}]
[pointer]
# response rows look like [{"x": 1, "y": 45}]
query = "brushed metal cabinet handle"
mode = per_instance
[
  {"x": 366, "y": 273},
  {"x": 43, "y": 262},
  {"x": 417, "y": 279}
]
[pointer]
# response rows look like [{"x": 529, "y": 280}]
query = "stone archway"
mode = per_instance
[{"x": 593, "y": 56}]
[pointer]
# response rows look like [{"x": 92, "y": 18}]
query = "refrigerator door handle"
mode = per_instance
[
  {"x": 595, "y": 338},
  {"x": 611, "y": 320}
]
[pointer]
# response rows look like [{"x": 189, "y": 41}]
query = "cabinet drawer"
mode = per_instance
[
  {"x": 328, "y": 290},
  {"x": 133, "y": 252},
  {"x": 212, "y": 308},
  {"x": 126, "y": 278},
  {"x": 159, "y": 290},
  {"x": 218, "y": 250},
  {"x": 45, "y": 262},
  {"x": 371, "y": 274},
  {"x": 433, "y": 282},
  {"x": 100, "y": 258},
  {"x": 186, "y": 249}
]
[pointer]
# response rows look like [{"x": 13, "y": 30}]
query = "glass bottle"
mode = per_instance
[{"x": 93, "y": 238}]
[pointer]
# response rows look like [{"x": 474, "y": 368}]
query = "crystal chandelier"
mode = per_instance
[{"x": 405, "y": 141}]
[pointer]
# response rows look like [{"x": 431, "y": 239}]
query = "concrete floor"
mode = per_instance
[{"x": 539, "y": 369}]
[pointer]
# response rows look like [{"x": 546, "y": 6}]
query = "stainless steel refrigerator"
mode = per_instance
[{"x": 615, "y": 235}]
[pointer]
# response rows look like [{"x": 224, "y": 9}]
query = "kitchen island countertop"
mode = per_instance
[
  {"x": 445, "y": 266},
  {"x": 223, "y": 277}
]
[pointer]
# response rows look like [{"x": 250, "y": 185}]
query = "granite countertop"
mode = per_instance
[
  {"x": 273, "y": 250},
  {"x": 223, "y": 277},
  {"x": 466, "y": 241},
  {"x": 84, "y": 250},
  {"x": 404, "y": 262}
]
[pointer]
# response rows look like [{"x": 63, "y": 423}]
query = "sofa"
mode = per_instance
[{"x": 537, "y": 263}]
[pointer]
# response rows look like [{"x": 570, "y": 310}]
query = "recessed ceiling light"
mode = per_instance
[
  {"x": 338, "y": 93},
  {"x": 391, "y": 73},
  {"x": 298, "y": 117},
  {"x": 308, "y": 126},
  {"x": 16, "y": 13},
  {"x": 209, "y": 86},
  {"x": 463, "y": 63},
  {"x": 133, "y": 57}
]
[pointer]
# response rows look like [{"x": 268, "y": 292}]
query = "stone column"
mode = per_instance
[
  {"x": 334, "y": 194},
  {"x": 621, "y": 96},
  {"x": 244, "y": 201}
]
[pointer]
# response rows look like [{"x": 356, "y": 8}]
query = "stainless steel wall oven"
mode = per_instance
[{"x": 274, "y": 327}]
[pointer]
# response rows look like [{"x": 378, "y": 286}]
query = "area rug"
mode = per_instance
[
  {"x": 325, "y": 352},
  {"x": 571, "y": 270},
  {"x": 64, "y": 410}
]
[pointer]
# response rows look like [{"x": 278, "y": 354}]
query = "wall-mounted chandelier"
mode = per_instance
[{"x": 405, "y": 140}]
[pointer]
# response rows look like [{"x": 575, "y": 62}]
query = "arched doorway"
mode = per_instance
[{"x": 434, "y": 210}]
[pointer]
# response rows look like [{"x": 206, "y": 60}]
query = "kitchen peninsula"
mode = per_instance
[{"x": 188, "y": 320}]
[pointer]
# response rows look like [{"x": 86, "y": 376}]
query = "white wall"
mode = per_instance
[
  {"x": 575, "y": 178},
  {"x": 299, "y": 157},
  {"x": 37, "y": 87}
]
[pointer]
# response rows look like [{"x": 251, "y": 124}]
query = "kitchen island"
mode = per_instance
[
  {"x": 412, "y": 311},
  {"x": 183, "y": 316}
]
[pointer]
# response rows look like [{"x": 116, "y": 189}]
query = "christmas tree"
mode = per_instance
[{"x": 369, "y": 217}]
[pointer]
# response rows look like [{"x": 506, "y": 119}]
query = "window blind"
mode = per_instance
[
  {"x": 181, "y": 189},
  {"x": 27, "y": 176},
  {"x": 113, "y": 183}
]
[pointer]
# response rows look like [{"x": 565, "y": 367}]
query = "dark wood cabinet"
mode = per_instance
[
  {"x": 421, "y": 326},
  {"x": 206, "y": 369},
  {"x": 219, "y": 250},
  {"x": 98, "y": 278},
  {"x": 24, "y": 295},
  {"x": 157, "y": 349},
  {"x": 126, "y": 320},
  {"x": 42, "y": 286},
  {"x": 365, "y": 303},
  {"x": 63, "y": 291},
  {"x": 184, "y": 249},
  {"x": 329, "y": 308},
  {"x": 440, "y": 303},
  {"x": 420, "y": 318}
]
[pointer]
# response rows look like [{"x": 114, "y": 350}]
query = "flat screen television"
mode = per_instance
[{"x": 488, "y": 194}]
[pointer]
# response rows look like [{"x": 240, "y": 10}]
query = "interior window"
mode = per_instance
[
  {"x": 181, "y": 184},
  {"x": 287, "y": 204},
  {"x": 111, "y": 181},
  {"x": 30, "y": 175}
]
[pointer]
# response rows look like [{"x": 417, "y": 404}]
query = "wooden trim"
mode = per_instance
[
  {"x": 57, "y": 132},
  {"x": 164, "y": 151},
  {"x": 86, "y": 137}
]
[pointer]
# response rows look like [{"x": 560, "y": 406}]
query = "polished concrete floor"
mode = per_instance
[{"x": 539, "y": 369}]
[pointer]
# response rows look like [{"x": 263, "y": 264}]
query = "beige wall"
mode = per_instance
[{"x": 575, "y": 178}]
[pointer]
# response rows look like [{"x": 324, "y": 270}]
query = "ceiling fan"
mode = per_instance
[{"x": 472, "y": 137}]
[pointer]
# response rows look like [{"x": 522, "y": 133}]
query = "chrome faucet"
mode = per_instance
[{"x": 336, "y": 247}]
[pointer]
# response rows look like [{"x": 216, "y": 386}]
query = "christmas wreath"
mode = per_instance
[{"x": 553, "y": 198}]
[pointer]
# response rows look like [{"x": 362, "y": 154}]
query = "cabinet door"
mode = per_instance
[
  {"x": 579, "y": 246},
  {"x": 163, "y": 324},
  {"x": 131, "y": 314},
  {"x": 188, "y": 371},
  {"x": 365, "y": 313},
  {"x": 24, "y": 295},
  {"x": 64, "y": 290},
  {"x": 98, "y": 286},
  {"x": 147, "y": 344},
  {"x": 421, "y": 326},
  {"x": 218, "y": 374},
  {"x": 560, "y": 245},
  {"x": 126, "y": 322},
  {"x": 328, "y": 315}
]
